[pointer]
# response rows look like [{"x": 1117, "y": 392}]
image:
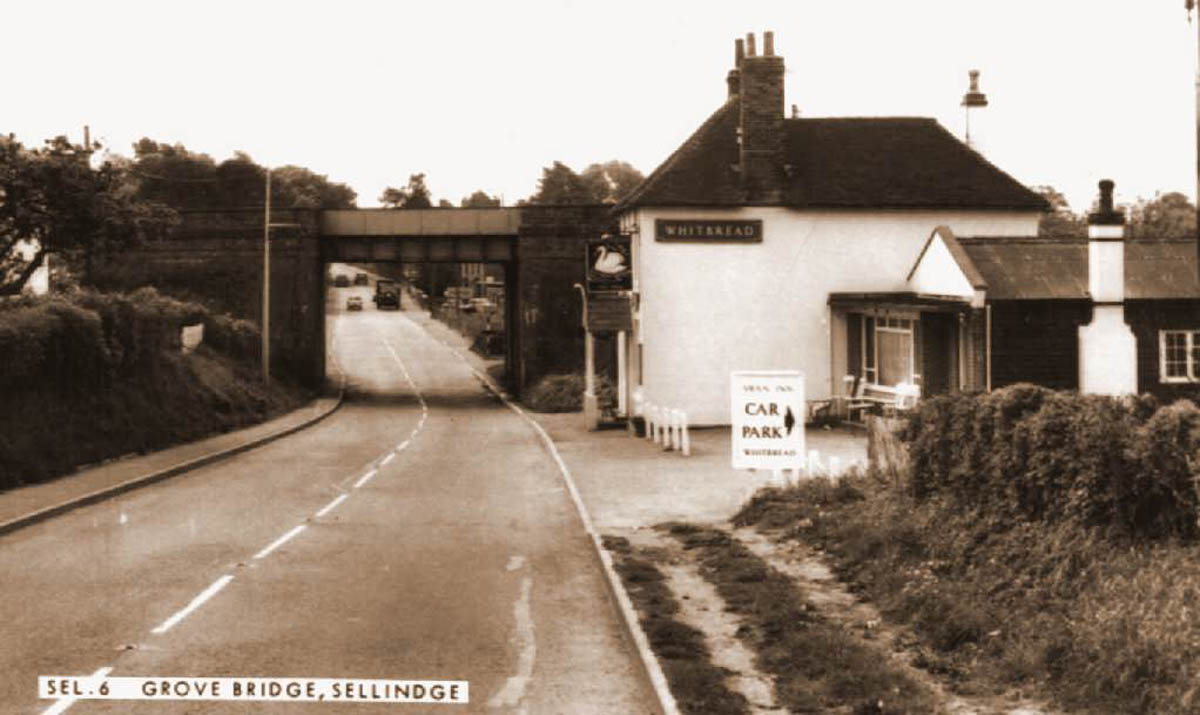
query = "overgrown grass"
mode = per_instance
[
  {"x": 1095, "y": 624},
  {"x": 95, "y": 376},
  {"x": 817, "y": 665},
  {"x": 698, "y": 685}
]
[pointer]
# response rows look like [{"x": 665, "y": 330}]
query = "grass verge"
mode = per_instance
[
  {"x": 817, "y": 665},
  {"x": 697, "y": 684},
  {"x": 1092, "y": 624}
]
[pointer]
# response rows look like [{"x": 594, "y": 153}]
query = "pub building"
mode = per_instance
[{"x": 879, "y": 252}]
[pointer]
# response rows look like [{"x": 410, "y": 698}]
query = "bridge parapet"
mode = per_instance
[{"x": 421, "y": 222}]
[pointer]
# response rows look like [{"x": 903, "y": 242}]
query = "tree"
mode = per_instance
[
  {"x": 445, "y": 204},
  {"x": 1059, "y": 221},
  {"x": 53, "y": 201},
  {"x": 186, "y": 180},
  {"x": 1169, "y": 215},
  {"x": 413, "y": 196},
  {"x": 560, "y": 185},
  {"x": 609, "y": 182},
  {"x": 479, "y": 200}
]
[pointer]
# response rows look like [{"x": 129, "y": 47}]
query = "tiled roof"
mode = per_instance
[
  {"x": 871, "y": 162},
  {"x": 1040, "y": 268}
]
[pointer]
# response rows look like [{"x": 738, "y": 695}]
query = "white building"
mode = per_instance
[{"x": 744, "y": 236}]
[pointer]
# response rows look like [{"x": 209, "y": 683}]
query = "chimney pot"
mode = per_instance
[
  {"x": 1107, "y": 215},
  {"x": 739, "y": 52},
  {"x": 768, "y": 44},
  {"x": 750, "y": 44}
]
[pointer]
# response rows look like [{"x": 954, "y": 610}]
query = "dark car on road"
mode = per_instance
[
  {"x": 341, "y": 280},
  {"x": 354, "y": 302},
  {"x": 361, "y": 279}
]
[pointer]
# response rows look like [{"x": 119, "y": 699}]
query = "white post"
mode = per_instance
[
  {"x": 814, "y": 462},
  {"x": 686, "y": 441},
  {"x": 622, "y": 377}
]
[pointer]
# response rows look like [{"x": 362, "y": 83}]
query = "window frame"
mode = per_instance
[{"x": 1191, "y": 343}]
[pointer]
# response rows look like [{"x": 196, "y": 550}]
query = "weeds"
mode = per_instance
[
  {"x": 817, "y": 665},
  {"x": 1101, "y": 625},
  {"x": 698, "y": 685}
]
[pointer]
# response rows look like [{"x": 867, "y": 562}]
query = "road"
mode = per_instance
[{"x": 420, "y": 532}]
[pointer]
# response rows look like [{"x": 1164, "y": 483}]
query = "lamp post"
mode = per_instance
[{"x": 266, "y": 286}]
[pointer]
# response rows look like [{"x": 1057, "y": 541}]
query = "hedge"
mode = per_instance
[
  {"x": 1029, "y": 453},
  {"x": 87, "y": 339}
]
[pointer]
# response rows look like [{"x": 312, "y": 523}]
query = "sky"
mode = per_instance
[{"x": 484, "y": 95}]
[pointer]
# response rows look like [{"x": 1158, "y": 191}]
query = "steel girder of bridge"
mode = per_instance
[{"x": 420, "y": 235}]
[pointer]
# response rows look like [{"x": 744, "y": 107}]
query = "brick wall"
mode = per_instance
[
  {"x": 215, "y": 257},
  {"x": 551, "y": 255}
]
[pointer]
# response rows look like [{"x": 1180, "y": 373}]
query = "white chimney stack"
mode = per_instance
[
  {"x": 973, "y": 100},
  {"x": 1107, "y": 347}
]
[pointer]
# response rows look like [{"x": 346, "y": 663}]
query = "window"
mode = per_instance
[
  {"x": 890, "y": 350},
  {"x": 1178, "y": 355}
]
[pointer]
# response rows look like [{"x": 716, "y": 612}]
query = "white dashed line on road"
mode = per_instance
[
  {"x": 384, "y": 462},
  {"x": 364, "y": 478},
  {"x": 280, "y": 541},
  {"x": 331, "y": 506},
  {"x": 196, "y": 603},
  {"x": 402, "y": 445}
]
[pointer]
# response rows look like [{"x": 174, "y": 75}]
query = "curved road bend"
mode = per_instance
[{"x": 420, "y": 532}]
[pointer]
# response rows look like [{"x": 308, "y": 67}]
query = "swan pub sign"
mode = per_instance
[
  {"x": 709, "y": 231},
  {"x": 608, "y": 265}
]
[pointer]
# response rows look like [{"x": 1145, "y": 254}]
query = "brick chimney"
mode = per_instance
[{"x": 761, "y": 125}]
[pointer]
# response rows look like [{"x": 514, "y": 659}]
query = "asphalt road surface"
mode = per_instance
[{"x": 421, "y": 533}]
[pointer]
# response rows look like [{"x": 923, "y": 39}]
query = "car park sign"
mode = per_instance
[{"x": 768, "y": 420}]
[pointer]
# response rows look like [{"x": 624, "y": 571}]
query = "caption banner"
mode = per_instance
[{"x": 253, "y": 689}]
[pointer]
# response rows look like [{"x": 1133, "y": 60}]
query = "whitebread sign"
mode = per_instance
[
  {"x": 768, "y": 420},
  {"x": 691, "y": 230}
]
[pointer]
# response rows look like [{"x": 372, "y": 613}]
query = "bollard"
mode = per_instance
[
  {"x": 835, "y": 467},
  {"x": 669, "y": 422},
  {"x": 686, "y": 443},
  {"x": 814, "y": 462},
  {"x": 648, "y": 415}
]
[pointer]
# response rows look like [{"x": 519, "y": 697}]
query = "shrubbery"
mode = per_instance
[
  {"x": 564, "y": 393},
  {"x": 91, "y": 376},
  {"x": 90, "y": 338},
  {"x": 1025, "y": 452}
]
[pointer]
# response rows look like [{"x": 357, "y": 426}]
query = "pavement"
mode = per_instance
[
  {"x": 631, "y": 482},
  {"x": 27, "y": 505}
]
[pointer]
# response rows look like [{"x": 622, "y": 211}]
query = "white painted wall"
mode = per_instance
[
  {"x": 1107, "y": 353},
  {"x": 708, "y": 309},
  {"x": 939, "y": 274}
]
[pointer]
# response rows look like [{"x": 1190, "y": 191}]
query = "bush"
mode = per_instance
[
  {"x": 1025, "y": 452},
  {"x": 564, "y": 393}
]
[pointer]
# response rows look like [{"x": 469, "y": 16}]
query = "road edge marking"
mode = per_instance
[
  {"x": 62, "y": 704},
  {"x": 652, "y": 668}
]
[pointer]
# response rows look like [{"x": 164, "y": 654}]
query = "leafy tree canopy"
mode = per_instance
[
  {"x": 53, "y": 201},
  {"x": 1169, "y": 215},
  {"x": 611, "y": 181},
  {"x": 187, "y": 180},
  {"x": 1059, "y": 221},
  {"x": 479, "y": 200},
  {"x": 413, "y": 196},
  {"x": 598, "y": 184}
]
